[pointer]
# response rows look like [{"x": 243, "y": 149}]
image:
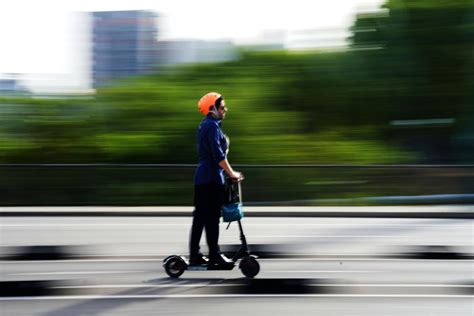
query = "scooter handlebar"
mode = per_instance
[{"x": 242, "y": 178}]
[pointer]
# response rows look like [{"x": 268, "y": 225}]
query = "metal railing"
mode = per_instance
[{"x": 265, "y": 184}]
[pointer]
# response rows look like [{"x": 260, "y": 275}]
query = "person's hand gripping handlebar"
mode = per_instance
[{"x": 237, "y": 176}]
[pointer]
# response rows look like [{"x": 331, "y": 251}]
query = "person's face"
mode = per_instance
[{"x": 222, "y": 110}]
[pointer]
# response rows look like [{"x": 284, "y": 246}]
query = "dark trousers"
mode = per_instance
[{"x": 208, "y": 201}]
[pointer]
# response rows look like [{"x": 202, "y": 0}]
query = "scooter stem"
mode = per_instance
[{"x": 243, "y": 251}]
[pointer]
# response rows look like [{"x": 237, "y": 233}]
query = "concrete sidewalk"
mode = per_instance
[{"x": 439, "y": 211}]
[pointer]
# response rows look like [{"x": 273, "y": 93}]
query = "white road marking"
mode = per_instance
[
  {"x": 188, "y": 296},
  {"x": 327, "y": 271},
  {"x": 76, "y": 272},
  {"x": 93, "y": 225},
  {"x": 328, "y": 236},
  {"x": 131, "y": 286},
  {"x": 339, "y": 258},
  {"x": 62, "y": 261},
  {"x": 121, "y": 286},
  {"x": 335, "y": 258},
  {"x": 246, "y": 224},
  {"x": 396, "y": 285},
  {"x": 152, "y": 271}
]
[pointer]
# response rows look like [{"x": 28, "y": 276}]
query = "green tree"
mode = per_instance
[{"x": 420, "y": 52}]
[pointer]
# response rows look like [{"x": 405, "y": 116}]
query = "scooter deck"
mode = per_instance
[{"x": 205, "y": 267}]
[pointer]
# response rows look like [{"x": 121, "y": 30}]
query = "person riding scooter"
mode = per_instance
[{"x": 212, "y": 146}]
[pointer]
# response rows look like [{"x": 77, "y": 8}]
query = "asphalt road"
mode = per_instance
[{"x": 323, "y": 266}]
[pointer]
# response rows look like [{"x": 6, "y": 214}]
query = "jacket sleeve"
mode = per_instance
[{"x": 213, "y": 137}]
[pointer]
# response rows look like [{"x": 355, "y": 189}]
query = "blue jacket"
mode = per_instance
[{"x": 212, "y": 146}]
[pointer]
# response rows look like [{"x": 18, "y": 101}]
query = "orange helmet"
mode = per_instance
[{"x": 207, "y": 101}]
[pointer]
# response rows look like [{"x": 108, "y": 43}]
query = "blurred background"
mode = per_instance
[
  {"x": 333, "y": 105},
  {"x": 355, "y": 91}
]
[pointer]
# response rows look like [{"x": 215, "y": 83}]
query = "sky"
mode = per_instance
[{"x": 48, "y": 38}]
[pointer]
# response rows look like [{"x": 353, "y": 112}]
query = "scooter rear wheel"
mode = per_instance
[
  {"x": 249, "y": 266},
  {"x": 175, "y": 266}
]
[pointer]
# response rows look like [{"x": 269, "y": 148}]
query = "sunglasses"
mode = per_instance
[{"x": 223, "y": 107}]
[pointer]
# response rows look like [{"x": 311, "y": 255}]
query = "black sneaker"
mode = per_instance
[
  {"x": 221, "y": 261},
  {"x": 198, "y": 260}
]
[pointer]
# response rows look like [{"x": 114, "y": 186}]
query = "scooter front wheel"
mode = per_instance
[
  {"x": 249, "y": 266},
  {"x": 175, "y": 266}
]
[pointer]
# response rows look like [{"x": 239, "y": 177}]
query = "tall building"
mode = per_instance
[
  {"x": 8, "y": 85},
  {"x": 12, "y": 85},
  {"x": 124, "y": 43}
]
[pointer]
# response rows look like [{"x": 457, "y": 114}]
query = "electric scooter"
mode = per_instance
[{"x": 176, "y": 265}]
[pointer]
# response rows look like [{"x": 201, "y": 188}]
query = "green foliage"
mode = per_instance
[
  {"x": 411, "y": 61},
  {"x": 285, "y": 107}
]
